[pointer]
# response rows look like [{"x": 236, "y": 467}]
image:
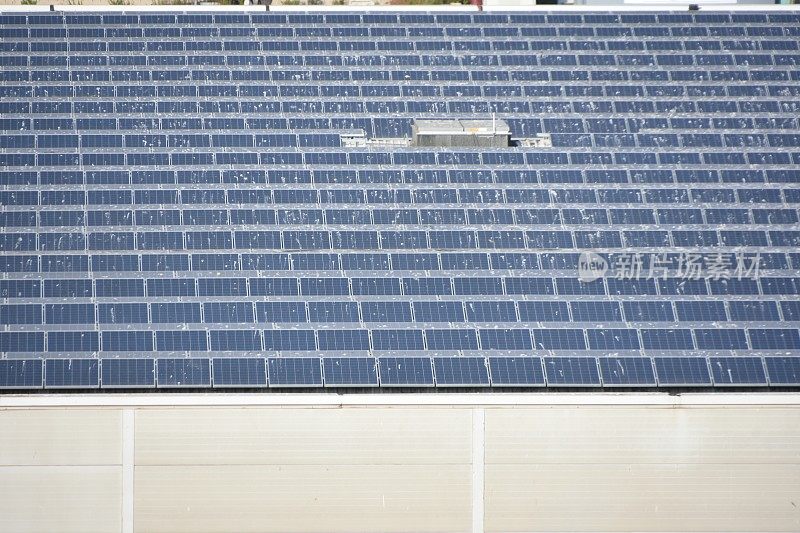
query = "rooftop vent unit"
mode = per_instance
[
  {"x": 492, "y": 133},
  {"x": 542, "y": 140},
  {"x": 359, "y": 139}
]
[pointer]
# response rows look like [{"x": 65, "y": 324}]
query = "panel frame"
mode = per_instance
[
  {"x": 328, "y": 384},
  {"x": 200, "y": 360},
  {"x": 718, "y": 384},
  {"x": 103, "y": 384},
  {"x": 767, "y": 359},
  {"x": 216, "y": 385},
  {"x": 485, "y": 367},
  {"x": 649, "y": 360},
  {"x": 551, "y": 384},
  {"x": 536, "y": 361},
  {"x": 383, "y": 383},
  {"x": 37, "y": 362},
  {"x": 95, "y": 385},
  {"x": 275, "y": 385},
  {"x": 661, "y": 384}
]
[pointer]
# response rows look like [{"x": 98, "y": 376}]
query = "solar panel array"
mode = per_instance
[{"x": 178, "y": 210}]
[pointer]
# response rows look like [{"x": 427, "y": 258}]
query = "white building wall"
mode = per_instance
[{"x": 400, "y": 463}]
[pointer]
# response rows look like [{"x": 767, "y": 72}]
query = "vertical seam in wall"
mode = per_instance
[
  {"x": 128, "y": 436},
  {"x": 478, "y": 469}
]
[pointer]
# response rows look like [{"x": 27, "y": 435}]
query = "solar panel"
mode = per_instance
[
  {"x": 20, "y": 374},
  {"x": 461, "y": 371},
  {"x": 682, "y": 371},
  {"x": 571, "y": 371},
  {"x": 783, "y": 371},
  {"x": 207, "y": 173},
  {"x": 294, "y": 372},
  {"x": 350, "y": 371},
  {"x": 627, "y": 371},
  {"x": 406, "y": 371},
  {"x": 516, "y": 371},
  {"x": 736, "y": 371},
  {"x": 71, "y": 373},
  {"x": 127, "y": 373},
  {"x": 189, "y": 372},
  {"x": 239, "y": 372}
]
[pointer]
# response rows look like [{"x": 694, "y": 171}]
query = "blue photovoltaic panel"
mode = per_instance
[
  {"x": 294, "y": 372},
  {"x": 783, "y": 371},
  {"x": 461, "y": 371},
  {"x": 682, "y": 371},
  {"x": 127, "y": 373},
  {"x": 71, "y": 373},
  {"x": 733, "y": 371},
  {"x": 516, "y": 371},
  {"x": 20, "y": 374},
  {"x": 189, "y": 172},
  {"x": 627, "y": 371},
  {"x": 406, "y": 372},
  {"x": 239, "y": 372},
  {"x": 350, "y": 371},
  {"x": 572, "y": 371},
  {"x": 183, "y": 373}
]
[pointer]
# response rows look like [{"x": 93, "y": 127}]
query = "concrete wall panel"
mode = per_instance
[
  {"x": 60, "y": 437},
  {"x": 64, "y": 499},
  {"x": 303, "y": 436},
  {"x": 400, "y": 463},
  {"x": 303, "y": 498},
  {"x": 586, "y": 468}
]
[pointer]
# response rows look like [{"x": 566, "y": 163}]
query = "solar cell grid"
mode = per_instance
[
  {"x": 239, "y": 372},
  {"x": 127, "y": 373},
  {"x": 627, "y": 372},
  {"x": 571, "y": 371},
  {"x": 189, "y": 372},
  {"x": 406, "y": 371},
  {"x": 71, "y": 373},
  {"x": 738, "y": 371},
  {"x": 350, "y": 371},
  {"x": 21, "y": 374},
  {"x": 187, "y": 169}
]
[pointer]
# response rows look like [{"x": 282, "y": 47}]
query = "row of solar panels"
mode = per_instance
[
  {"x": 299, "y": 84},
  {"x": 258, "y": 116},
  {"x": 401, "y": 372},
  {"x": 243, "y": 126},
  {"x": 416, "y": 196},
  {"x": 194, "y": 158},
  {"x": 283, "y": 140},
  {"x": 715, "y": 52},
  {"x": 167, "y": 216},
  {"x": 291, "y": 89},
  {"x": 393, "y": 240},
  {"x": 585, "y": 107},
  {"x": 395, "y": 311},
  {"x": 399, "y": 205},
  {"x": 706, "y": 103},
  {"x": 322, "y": 72},
  {"x": 769, "y": 38},
  {"x": 677, "y": 33},
  {"x": 411, "y": 198},
  {"x": 660, "y": 18},
  {"x": 397, "y": 286},
  {"x": 383, "y": 340},
  {"x": 659, "y": 264},
  {"x": 442, "y": 83},
  {"x": 188, "y": 155}
]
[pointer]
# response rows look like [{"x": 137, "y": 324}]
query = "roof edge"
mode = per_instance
[
  {"x": 657, "y": 6},
  {"x": 490, "y": 400}
]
